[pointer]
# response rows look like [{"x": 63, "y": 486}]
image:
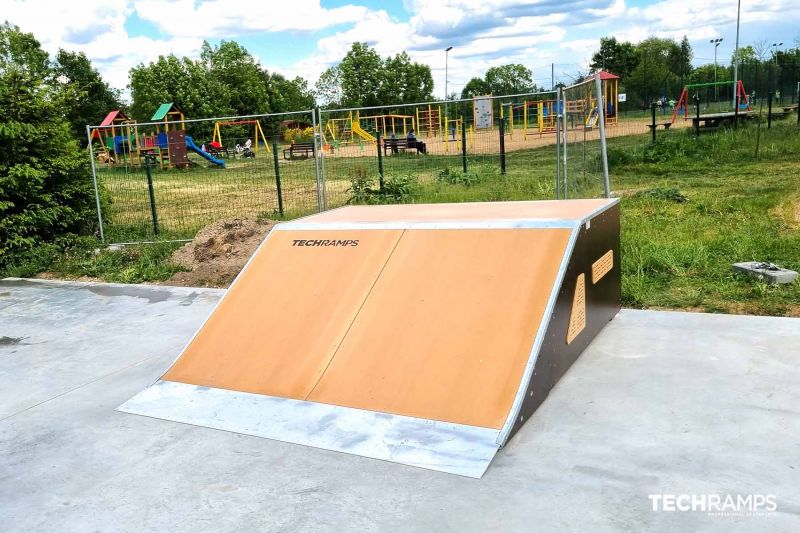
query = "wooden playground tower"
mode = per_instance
[
  {"x": 258, "y": 133},
  {"x": 122, "y": 142},
  {"x": 429, "y": 121},
  {"x": 169, "y": 141}
]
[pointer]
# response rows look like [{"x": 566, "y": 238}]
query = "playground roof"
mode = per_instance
[
  {"x": 117, "y": 114},
  {"x": 163, "y": 109},
  {"x": 605, "y": 75}
]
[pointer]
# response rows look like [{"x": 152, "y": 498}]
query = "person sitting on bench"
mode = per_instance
[
  {"x": 412, "y": 141},
  {"x": 393, "y": 143}
]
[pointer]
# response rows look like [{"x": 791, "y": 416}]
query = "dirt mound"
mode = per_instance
[{"x": 218, "y": 252}]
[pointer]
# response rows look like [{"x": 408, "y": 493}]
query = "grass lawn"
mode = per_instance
[{"x": 690, "y": 208}]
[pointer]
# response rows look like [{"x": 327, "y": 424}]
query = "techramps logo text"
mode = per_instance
[
  {"x": 325, "y": 242},
  {"x": 716, "y": 504}
]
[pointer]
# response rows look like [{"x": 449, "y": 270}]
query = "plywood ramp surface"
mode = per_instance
[
  {"x": 548, "y": 209},
  {"x": 278, "y": 327},
  {"x": 448, "y": 328}
]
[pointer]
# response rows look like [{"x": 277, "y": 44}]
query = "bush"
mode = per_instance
[
  {"x": 46, "y": 189},
  {"x": 365, "y": 189},
  {"x": 671, "y": 194},
  {"x": 472, "y": 177},
  {"x": 297, "y": 135}
]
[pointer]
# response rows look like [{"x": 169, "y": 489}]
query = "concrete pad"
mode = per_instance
[{"x": 660, "y": 403}]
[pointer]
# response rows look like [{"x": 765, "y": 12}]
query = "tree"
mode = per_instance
[
  {"x": 231, "y": 66},
  {"x": 615, "y": 57},
  {"x": 475, "y": 87},
  {"x": 502, "y": 80},
  {"x": 362, "y": 78},
  {"x": 45, "y": 183},
  {"x": 328, "y": 88},
  {"x": 92, "y": 98},
  {"x": 405, "y": 82},
  {"x": 510, "y": 79},
  {"x": 287, "y": 95},
  {"x": 361, "y": 74},
  {"x": 181, "y": 81}
]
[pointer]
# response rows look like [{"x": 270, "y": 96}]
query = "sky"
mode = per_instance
[{"x": 304, "y": 37}]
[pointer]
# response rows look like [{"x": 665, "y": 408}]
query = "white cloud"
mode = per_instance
[{"x": 484, "y": 33}]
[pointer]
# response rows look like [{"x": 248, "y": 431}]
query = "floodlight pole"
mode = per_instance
[
  {"x": 736, "y": 58},
  {"x": 446, "y": 54},
  {"x": 716, "y": 43}
]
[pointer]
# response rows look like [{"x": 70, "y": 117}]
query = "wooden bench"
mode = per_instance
[
  {"x": 299, "y": 148},
  {"x": 398, "y": 144},
  {"x": 665, "y": 125}
]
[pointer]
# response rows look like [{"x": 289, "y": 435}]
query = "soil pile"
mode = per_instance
[{"x": 218, "y": 253}]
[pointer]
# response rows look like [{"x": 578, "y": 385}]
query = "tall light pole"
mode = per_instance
[
  {"x": 736, "y": 56},
  {"x": 446, "y": 97},
  {"x": 715, "y": 42},
  {"x": 774, "y": 47}
]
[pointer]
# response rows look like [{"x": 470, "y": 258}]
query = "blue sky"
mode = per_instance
[{"x": 303, "y": 37}]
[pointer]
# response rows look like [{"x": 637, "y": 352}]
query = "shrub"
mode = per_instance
[
  {"x": 364, "y": 188},
  {"x": 46, "y": 188},
  {"x": 297, "y": 135}
]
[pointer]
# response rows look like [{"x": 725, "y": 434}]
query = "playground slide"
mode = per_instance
[
  {"x": 194, "y": 148},
  {"x": 361, "y": 132},
  {"x": 591, "y": 120}
]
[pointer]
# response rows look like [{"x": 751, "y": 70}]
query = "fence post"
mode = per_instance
[
  {"x": 697, "y": 117},
  {"x": 769, "y": 110},
  {"x": 502, "y": 146},
  {"x": 97, "y": 191},
  {"x": 558, "y": 143},
  {"x": 315, "y": 153},
  {"x": 153, "y": 212},
  {"x": 464, "y": 144},
  {"x": 601, "y": 120},
  {"x": 380, "y": 157},
  {"x": 277, "y": 176},
  {"x": 798, "y": 108},
  {"x": 653, "y": 123}
]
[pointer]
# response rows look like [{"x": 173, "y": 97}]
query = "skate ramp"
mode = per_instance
[{"x": 421, "y": 334}]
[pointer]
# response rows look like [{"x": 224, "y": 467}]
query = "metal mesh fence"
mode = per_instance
[
  {"x": 489, "y": 148},
  {"x": 169, "y": 179},
  {"x": 581, "y": 128}
]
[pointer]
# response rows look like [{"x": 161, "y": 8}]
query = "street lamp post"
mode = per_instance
[
  {"x": 716, "y": 43},
  {"x": 774, "y": 47},
  {"x": 446, "y": 97}
]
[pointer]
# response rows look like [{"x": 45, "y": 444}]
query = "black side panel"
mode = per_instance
[{"x": 602, "y": 304}]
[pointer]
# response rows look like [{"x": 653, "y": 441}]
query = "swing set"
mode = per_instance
[
  {"x": 258, "y": 133},
  {"x": 682, "y": 107}
]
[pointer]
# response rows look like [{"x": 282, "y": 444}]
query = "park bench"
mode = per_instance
[
  {"x": 299, "y": 148},
  {"x": 665, "y": 125},
  {"x": 398, "y": 144}
]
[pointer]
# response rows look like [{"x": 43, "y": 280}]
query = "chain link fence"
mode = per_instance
[{"x": 168, "y": 179}]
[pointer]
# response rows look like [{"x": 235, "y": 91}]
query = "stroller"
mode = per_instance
[{"x": 245, "y": 151}]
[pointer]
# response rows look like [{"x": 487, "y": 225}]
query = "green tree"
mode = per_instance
[
  {"x": 404, "y": 81},
  {"x": 510, "y": 79},
  {"x": 287, "y": 95},
  {"x": 92, "y": 98},
  {"x": 328, "y": 88},
  {"x": 361, "y": 74},
  {"x": 475, "y": 87},
  {"x": 619, "y": 58},
  {"x": 45, "y": 184},
  {"x": 505, "y": 79},
  {"x": 185, "y": 82},
  {"x": 231, "y": 66}
]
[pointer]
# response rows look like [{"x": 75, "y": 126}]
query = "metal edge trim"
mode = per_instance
[
  {"x": 539, "y": 339},
  {"x": 602, "y": 209},
  {"x": 435, "y": 445},
  {"x": 481, "y": 224}
]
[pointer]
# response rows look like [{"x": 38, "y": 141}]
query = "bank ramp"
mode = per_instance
[{"x": 420, "y": 334}]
